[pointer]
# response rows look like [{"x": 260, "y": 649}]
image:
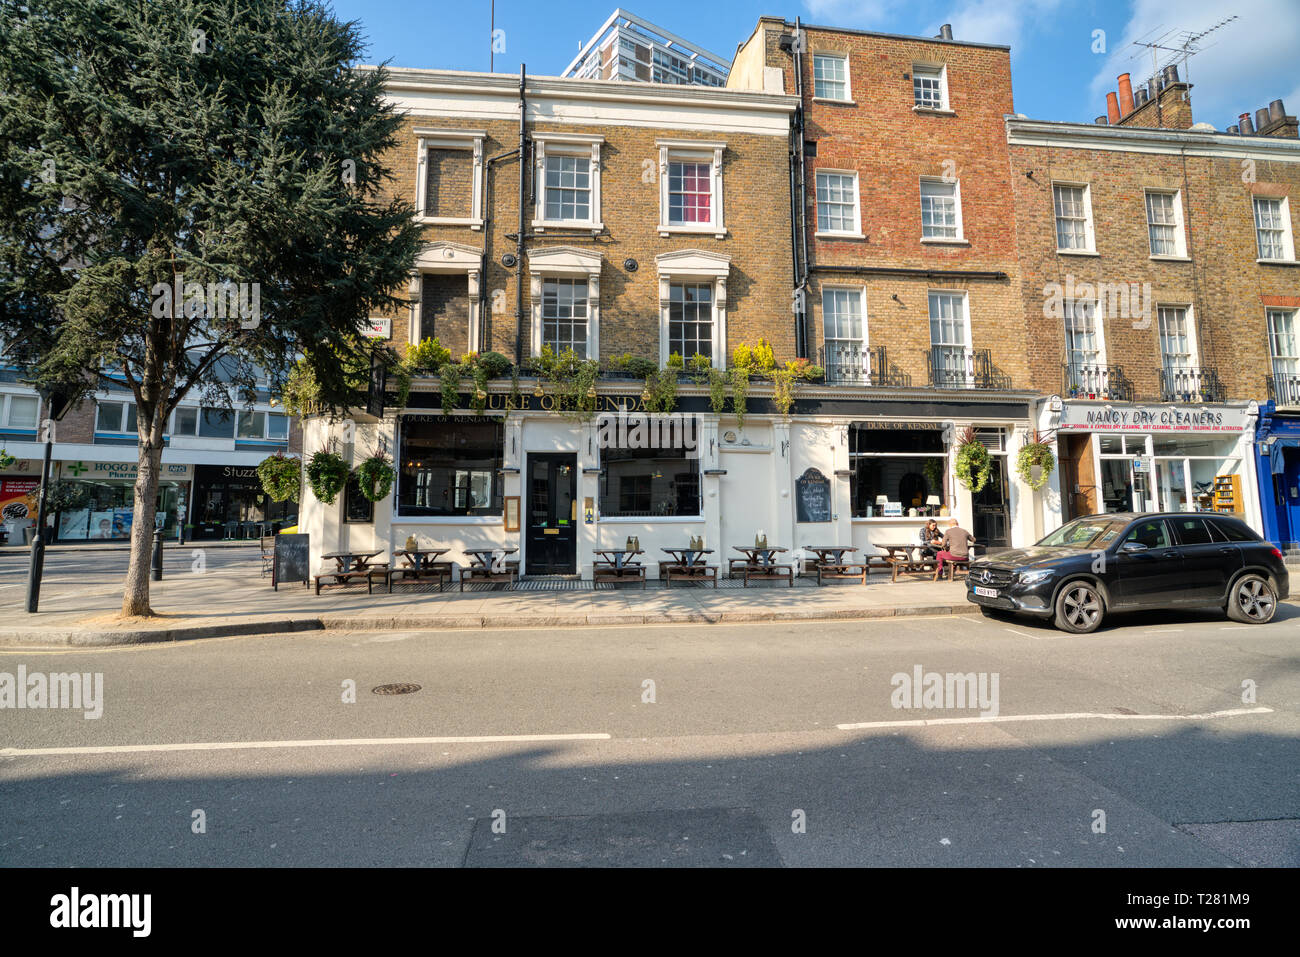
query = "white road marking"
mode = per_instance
[
  {"x": 1074, "y": 716},
  {"x": 319, "y": 743},
  {"x": 1023, "y": 634}
]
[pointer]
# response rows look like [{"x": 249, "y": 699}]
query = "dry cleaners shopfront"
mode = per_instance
[{"x": 1171, "y": 458}]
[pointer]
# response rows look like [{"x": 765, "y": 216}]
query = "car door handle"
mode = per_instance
[
  {"x": 1226, "y": 550},
  {"x": 1169, "y": 553}
]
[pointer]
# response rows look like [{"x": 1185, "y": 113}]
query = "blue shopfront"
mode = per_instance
[{"x": 1277, "y": 441}]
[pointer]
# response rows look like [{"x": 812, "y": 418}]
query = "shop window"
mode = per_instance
[
  {"x": 356, "y": 507},
  {"x": 650, "y": 482},
  {"x": 894, "y": 470},
  {"x": 449, "y": 467}
]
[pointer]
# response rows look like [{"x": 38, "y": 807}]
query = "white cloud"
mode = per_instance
[
  {"x": 998, "y": 21},
  {"x": 1241, "y": 67}
]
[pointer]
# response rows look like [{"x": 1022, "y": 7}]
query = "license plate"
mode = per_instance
[{"x": 986, "y": 592}]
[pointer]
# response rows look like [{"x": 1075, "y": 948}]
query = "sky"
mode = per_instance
[{"x": 1061, "y": 67}]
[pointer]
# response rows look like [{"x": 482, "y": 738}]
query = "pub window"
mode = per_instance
[
  {"x": 651, "y": 482},
  {"x": 450, "y": 467},
  {"x": 356, "y": 507},
  {"x": 905, "y": 466}
]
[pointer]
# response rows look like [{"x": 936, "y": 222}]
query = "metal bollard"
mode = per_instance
[{"x": 157, "y": 554}]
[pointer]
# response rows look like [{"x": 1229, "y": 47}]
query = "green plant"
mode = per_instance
[
  {"x": 427, "y": 354},
  {"x": 973, "y": 462},
  {"x": 494, "y": 364},
  {"x": 933, "y": 470},
  {"x": 6, "y": 459},
  {"x": 639, "y": 367},
  {"x": 699, "y": 365},
  {"x": 739, "y": 394},
  {"x": 764, "y": 358},
  {"x": 675, "y": 362},
  {"x": 742, "y": 357},
  {"x": 717, "y": 390},
  {"x": 783, "y": 389},
  {"x": 375, "y": 477},
  {"x": 1038, "y": 453},
  {"x": 514, "y": 399},
  {"x": 573, "y": 381},
  {"x": 660, "y": 393},
  {"x": 327, "y": 473},
  {"x": 449, "y": 383},
  {"x": 281, "y": 477},
  {"x": 64, "y": 496}
]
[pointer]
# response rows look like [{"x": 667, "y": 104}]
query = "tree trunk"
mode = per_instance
[{"x": 135, "y": 595}]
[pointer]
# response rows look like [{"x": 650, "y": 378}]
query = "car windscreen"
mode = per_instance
[{"x": 1083, "y": 533}]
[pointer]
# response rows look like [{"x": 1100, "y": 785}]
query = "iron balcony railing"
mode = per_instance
[
  {"x": 955, "y": 367},
  {"x": 849, "y": 364},
  {"x": 1086, "y": 380},
  {"x": 1284, "y": 388},
  {"x": 1191, "y": 384}
]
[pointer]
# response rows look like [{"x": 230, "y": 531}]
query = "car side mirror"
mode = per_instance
[{"x": 1133, "y": 547}]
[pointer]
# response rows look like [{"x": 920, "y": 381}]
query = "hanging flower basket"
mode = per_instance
[
  {"x": 973, "y": 462},
  {"x": 375, "y": 476},
  {"x": 1035, "y": 463},
  {"x": 281, "y": 477},
  {"x": 6, "y": 459},
  {"x": 327, "y": 473}
]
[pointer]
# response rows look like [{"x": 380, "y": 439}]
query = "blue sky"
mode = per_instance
[{"x": 1056, "y": 74}]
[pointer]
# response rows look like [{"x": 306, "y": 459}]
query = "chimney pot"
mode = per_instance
[
  {"x": 1140, "y": 97},
  {"x": 1102, "y": 121},
  {"x": 1276, "y": 111},
  {"x": 1261, "y": 119},
  {"x": 1125, "y": 94},
  {"x": 1169, "y": 74},
  {"x": 945, "y": 31},
  {"x": 1112, "y": 107},
  {"x": 1243, "y": 121},
  {"x": 1234, "y": 131}
]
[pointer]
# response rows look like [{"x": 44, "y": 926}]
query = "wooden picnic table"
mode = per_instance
[
  {"x": 617, "y": 564},
  {"x": 420, "y": 562},
  {"x": 689, "y": 563},
  {"x": 761, "y": 563},
  {"x": 483, "y": 564},
  {"x": 350, "y": 565},
  {"x": 830, "y": 562}
]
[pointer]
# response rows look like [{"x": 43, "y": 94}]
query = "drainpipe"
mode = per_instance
[
  {"x": 489, "y": 222},
  {"x": 519, "y": 239},
  {"x": 801, "y": 276}
]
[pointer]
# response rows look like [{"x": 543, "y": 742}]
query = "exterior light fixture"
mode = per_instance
[{"x": 537, "y": 390}]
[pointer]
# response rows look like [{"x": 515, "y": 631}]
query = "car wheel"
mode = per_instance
[
  {"x": 1252, "y": 600},
  {"x": 1078, "y": 608}
]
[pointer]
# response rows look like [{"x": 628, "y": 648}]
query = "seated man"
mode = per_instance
[{"x": 956, "y": 545}]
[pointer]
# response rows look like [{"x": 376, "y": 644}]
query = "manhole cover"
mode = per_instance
[{"x": 402, "y": 687}]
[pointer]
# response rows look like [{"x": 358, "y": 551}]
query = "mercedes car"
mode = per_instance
[{"x": 1130, "y": 561}]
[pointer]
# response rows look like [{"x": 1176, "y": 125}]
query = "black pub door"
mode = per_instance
[
  {"x": 992, "y": 518},
  {"x": 552, "y": 536}
]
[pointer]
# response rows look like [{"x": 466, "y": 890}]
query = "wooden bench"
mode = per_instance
[
  {"x": 485, "y": 573},
  {"x": 668, "y": 571},
  {"x": 909, "y": 566},
  {"x": 774, "y": 570},
  {"x": 856, "y": 570},
  {"x": 609, "y": 572},
  {"x": 736, "y": 563},
  {"x": 950, "y": 565},
  {"x": 438, "y": 570},
  {"x": 343, "y": 578}
]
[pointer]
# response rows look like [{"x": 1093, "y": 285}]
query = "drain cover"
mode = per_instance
[{"x": 402, "y": 687}]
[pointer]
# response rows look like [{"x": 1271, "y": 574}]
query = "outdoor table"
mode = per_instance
[
  {"x": 483, "y": 565},
  {"x": 418, "y": 558},
  {"x": 486, "y": 557},
  {"x": 419, "y": 562},
  {"x": 688, "y": 563},
  {"x": 761, "y": 563},
  {"x": 349, "y": 565},
  {"x": 831, "y": 554},
  {"x": 618, "y": 557},
  {"x": 900, "y": 556},
  {"x": 830, "y": 562},
  {"x": 617, "y": 564}
]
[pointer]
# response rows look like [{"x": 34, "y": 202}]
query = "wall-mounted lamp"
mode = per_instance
[
  {"x": 630, "y": 265},
  {"x": 509, "y": 260}
]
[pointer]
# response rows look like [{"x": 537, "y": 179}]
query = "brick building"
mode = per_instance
[{"x": 1159, "y": 280}]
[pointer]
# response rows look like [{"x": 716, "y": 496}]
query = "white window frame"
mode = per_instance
[
  {"x": 1089, "y": 234},
  {"x": 938, "y": 71},
  {"x": 121, "y": 421},
  {"x": 1180, "y": 232},
  {"x": 956, "y": 198},
  {"x": 1099, "y": 335},
  {"x": 446, "y": 257},
  {"x": 175, "y": 417},
  {"x": 1189, "y": 318},
  {"x": 863, "y": 342},
  {"x": 1284, "y": 369},
  {"x": 969, "y": 353},
  {"x": 567, "y": 144},
  {"x": 1288, "y": 242},
  {"x": 856, "y": 231},
  {"x": 471, "y": 140},
  {"x": 565, "y": 262},
  {"x": 692, "y": 151},
  {"x": 694, "y": 266},
  {"x": 8, "y": 401},
  {"x": 848, "y": 85}
]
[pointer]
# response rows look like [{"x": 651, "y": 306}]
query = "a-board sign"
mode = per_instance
[
  {"x": 292, "y": 560},
  {"x": 812, "y": 497}
]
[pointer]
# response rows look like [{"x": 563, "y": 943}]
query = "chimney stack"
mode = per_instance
[
  {"x": 1125, "y": 94},
  {"x": 1112, "y": 108}
]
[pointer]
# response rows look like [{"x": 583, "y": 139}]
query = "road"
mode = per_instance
[{"x": 726, "y": 745}]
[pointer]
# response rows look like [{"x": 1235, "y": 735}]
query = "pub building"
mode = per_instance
[
  {"x": 1169, "y": 457},
  {"x": 842, "y": 470}
]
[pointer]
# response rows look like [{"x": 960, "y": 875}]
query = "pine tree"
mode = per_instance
[{"x": 226, "y": 150}]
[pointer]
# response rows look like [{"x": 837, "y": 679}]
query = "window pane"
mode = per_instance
[
  {"x": 187, "y": 420},
  {"x": 1269, "y": 228},
  {"x": 564, "y": 315},
  {"x": 108, "y": 417},
  {"x": 1192, "y": 531},
  {"x": 649, "y": 482},
  {"x": 690, "y": 193},
  {"x": 1161, "y": 224},
  {"x": 837, "y": 202},
  {"x": 449, "y": 468},
  {"x": 252, "y": 425},
  {"x": 568, "y": 188},
  {"x": 1071, "y": 217},
  {"x": 927, "y": 88},
  {"x": 829, "y": 73},
  {"x": 217, "y": 424},
  {"x": 277, "y": 426},
  {"x": 938, "y": 210},
  {"x": 1175, "y": 344},
  {"x": 356, "y": 507},
  {"x": 690, "y": 319},
  {"x": 22, "y": 411}
]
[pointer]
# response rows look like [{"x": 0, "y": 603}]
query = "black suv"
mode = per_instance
[{"x": 1127, "y": 561}]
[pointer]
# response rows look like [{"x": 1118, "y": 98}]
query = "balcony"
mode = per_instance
[
  {"x": 1096, "y": 381},
  {"x": 954, "y": 367},
  {"x": 1284, "y": 389},
  {"x": 1190, "y": 385},
  {"x": 856, "y": 365}
]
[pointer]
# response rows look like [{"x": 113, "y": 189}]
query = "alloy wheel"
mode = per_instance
[
  {"x": 1255, "y": 599},
  {"x": 1082, "y": 607}
]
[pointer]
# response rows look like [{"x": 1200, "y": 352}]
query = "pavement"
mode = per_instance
[
  {"x": 209, "y": 592},
  {"x": 727, "y": 745}
]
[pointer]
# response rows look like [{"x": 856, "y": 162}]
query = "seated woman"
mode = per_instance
[{"x": 930, "y": 539}]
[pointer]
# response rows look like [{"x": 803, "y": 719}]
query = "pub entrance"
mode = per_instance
[{"x": 552, "y": 533}]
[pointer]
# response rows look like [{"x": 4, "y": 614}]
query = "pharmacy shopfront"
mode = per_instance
[{"x": 1171, "y": 458}]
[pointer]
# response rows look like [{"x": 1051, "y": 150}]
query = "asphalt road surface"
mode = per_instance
[{"x": 1162, "y": 740}]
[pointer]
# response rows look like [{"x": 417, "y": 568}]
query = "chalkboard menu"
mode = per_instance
[
  {"x": 292, "y": 560},
  {"x": 812, "y": 497}
]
